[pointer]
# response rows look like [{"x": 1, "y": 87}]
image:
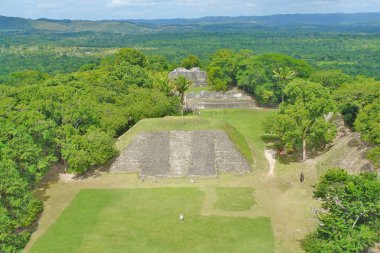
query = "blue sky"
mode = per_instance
[{"x": 149, "y": 9}]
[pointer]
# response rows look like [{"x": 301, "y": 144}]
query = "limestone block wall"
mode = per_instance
[
  {"x": 195, "y": 74},
  {"x": 216, "y": 99},
  {"x": 180, "y": 154}
]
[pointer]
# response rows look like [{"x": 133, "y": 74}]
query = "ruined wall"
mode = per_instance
[
  {"x": 195, "y": 74},
  {"x": 234, "y": 98}
]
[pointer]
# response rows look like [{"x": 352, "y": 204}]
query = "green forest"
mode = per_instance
[{"x": 66, "y": 96}]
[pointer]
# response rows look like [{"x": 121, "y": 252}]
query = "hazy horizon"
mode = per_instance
[{"x": 171, "y": 9}]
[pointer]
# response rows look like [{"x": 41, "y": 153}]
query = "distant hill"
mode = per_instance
[
  {"x": 28, "y": 25},
  {"x": 14, "y": 24},
  {"x": 157, "y": 25},
  {"x": 274, "y": 20}
]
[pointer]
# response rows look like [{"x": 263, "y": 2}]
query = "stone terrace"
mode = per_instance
[{"x": 181, "y": 154}]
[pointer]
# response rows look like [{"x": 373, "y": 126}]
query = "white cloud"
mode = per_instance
[
  {"x": 118, "y": 3},
  {"x": 123, "y": 9}
]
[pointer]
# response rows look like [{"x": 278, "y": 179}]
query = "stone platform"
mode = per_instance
[
  {"x": 234, "y": 98},
  {"x": 181, "y": 154}
]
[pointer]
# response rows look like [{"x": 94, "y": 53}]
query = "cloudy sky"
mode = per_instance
[{"x": 149, "y": 9}]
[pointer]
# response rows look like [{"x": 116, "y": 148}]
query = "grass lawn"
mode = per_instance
[
  {"x": 146, "y": 220},
  {"x": 234, "y": 198}
]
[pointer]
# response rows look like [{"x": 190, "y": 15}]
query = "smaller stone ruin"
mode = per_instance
[
  {"x": 233, "y": 98},
  {"x": 196, "y": 75},
  {"x": 179, "y": 154}
]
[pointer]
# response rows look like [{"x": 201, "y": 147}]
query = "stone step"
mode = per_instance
[{"x": 180, "y": 153}]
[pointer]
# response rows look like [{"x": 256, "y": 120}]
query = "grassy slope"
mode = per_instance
[
  {"x": 250, "y": 124},
  {"x": 186, "y": 124},
  {"x": 146, "y": 220}
]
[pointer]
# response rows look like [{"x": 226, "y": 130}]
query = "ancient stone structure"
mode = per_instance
[
  {"x": 234, "y": 98},
  {"x": 195, "y": 74},
  {"x": 180, "y": 154}
]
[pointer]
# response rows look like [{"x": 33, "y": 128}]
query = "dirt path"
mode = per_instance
[{"x": 270, "y": 155}]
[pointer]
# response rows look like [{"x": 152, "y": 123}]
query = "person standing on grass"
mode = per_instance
[{"x": 181, "y": 217}]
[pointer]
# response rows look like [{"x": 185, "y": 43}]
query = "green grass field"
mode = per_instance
[
  {"x": 146, "y": 220},
  {"x": 234, "y": 198}
]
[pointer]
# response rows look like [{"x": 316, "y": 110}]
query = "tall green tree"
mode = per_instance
[
  {"x": 307, "y": 105},
  {"x": 283, "y": 75},
  {"x": 331, "y": 79},
  {"x": 190, "y": 61},
  {"x": 130, "y": 56},
  {"x": 181, "y": 84},
  {"x": 350, "y": 219},
  {"x": 368, "y": 123}
]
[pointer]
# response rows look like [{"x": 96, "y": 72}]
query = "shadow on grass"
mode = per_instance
[
  {"x": 287, "y": 159},
  {"x": 268, "y": 138}
]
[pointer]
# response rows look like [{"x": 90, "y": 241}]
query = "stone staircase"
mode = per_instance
[{"x": 180, "y": 154}]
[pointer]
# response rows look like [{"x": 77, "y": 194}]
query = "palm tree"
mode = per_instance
[
  {"x": 283, "y": 75},
  {"x": 181, "y": 85}
]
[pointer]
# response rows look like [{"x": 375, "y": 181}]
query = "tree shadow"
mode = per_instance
[
  {"x": 288, "y": 159},
  {"x": 268, "y": 138}
]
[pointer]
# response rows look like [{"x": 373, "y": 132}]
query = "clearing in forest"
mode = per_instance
[
  {"x": 147, "y": 220},
  {"x": 112, "y": 212}
]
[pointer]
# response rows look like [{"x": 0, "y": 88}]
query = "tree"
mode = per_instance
[
  {"x": 306, "y": 107},
  {"x": 350, "y": 219},
  {"x": 221, "y": 71},
  {"x": 266, "y": 76},
  {"x": 132, "y": 75},
  {"x": 351, "y": 97},
  {"x": 130, "y": 56},
  {"x": 283, "y": 76},
  {"x": 285, "y": 130},
  {"x": 190, "y": 61},
  {"x": 84, "y": 151},
  {"x": 331, "y": 79},
  {"x": 368, "y": 122},
  {"x": 181, "y": 84}
]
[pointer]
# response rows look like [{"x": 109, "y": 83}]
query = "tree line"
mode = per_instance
[{"x": 70, "y": 119}]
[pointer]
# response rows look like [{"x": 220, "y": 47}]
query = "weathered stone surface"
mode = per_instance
[
  {"x": 203, "y": 152},
  {"x": 216, "y": 99},
  {"x": 130, "y": 159},
  {"x": 195, "y": 74},
  {"x": 155, "y": 157},
  {"x": 228, "y": 158},
  {"x": 180, "y": 154}
]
